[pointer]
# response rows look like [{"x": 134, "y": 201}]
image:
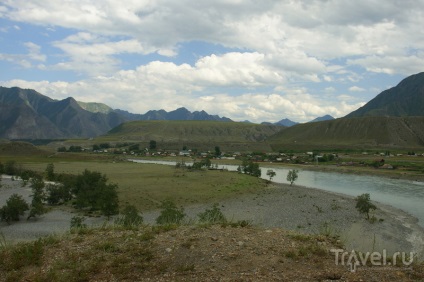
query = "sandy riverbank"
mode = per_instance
[{"x": 296, "y": 208}]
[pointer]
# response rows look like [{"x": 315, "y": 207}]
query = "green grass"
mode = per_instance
[{"x": 146, "y": 185}]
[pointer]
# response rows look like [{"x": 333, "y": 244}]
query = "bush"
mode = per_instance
[
  {"x": 170, "y": 214},
  {"x": 213, "y": 215},
  {"x": 77, "y": 222},
  {"x": 364, "y": 205},
  {"x": 50, "y": 176},
  {"x": 14, "y": 208},
  {"x": 130, "y": 217},
  {"x": 11, "y": 168}
]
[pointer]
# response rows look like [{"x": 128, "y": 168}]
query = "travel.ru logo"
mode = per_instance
[{"x": 354, "y": 259}]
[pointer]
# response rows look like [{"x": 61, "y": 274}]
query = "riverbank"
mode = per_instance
[{"x": 302, "y": 209}]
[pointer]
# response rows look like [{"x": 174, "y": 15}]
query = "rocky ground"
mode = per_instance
[{"x": 266, "y": 251}]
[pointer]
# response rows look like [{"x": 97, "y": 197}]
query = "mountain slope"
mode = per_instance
[
  {"x": 405, "y": 99},
  {"x": 196, "y": 134},
  {"x": 95, "y": 107},
  {"x": 354, "y": 132},
  {"x": 27, "y": 114},
  {"x": 323, "y": 118}
]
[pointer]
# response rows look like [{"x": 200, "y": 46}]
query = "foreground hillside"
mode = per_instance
[
  {"x": 188, "y": 253},
  {"x": 194, "y": 134},
  {"x": 365, "y": 132}
]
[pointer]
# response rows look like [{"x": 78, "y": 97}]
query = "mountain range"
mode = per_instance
[
  {"x": 395, "y": 117},
  {"x": 27, "y": 114}
]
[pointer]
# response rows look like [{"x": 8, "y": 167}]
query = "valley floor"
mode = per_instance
[{"x": 297, "y": 208}]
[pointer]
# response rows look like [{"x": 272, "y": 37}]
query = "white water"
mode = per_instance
[{"x": 406, "y": 195}]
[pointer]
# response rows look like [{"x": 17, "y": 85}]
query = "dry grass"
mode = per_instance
[{"x": 186, "y": 253}]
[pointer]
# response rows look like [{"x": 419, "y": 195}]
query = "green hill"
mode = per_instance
[
  {"x": 366, "y": 132},
  {"x": 194, "y": 134}
]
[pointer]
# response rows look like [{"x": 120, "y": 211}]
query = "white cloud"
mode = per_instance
[
  {"x": 356, "y": 89},
  {"x": 280, "y": 45}
]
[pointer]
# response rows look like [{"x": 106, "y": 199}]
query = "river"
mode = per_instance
[{"x": 406, "y": 195}]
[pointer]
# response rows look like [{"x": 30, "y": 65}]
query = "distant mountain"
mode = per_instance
[
  {"x": 286, "y": 122},
  {"x": 323, "y": 118},
  {"x": 405, "y": 99},
  {"x": 178, "y": 114},
  {"x": 95, "y": 107},
  {"x": 27, "y": 114}
]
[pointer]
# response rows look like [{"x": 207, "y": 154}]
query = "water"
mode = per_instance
[{"x": 406, "y": 195}]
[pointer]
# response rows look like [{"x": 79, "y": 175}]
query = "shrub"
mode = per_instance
[
  {"x": 250, "y": 168},
  {"x": 14, "y": 208},
  {"x": 213, "y": 215},
  {"x": 170, "y": 214},
  {"x": 130, "y": 217},
  {"x": 77, "y": 222}
]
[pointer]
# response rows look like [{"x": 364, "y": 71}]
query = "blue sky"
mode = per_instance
[{"x": 261, "y": 61}]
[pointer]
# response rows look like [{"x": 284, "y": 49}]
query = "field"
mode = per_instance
[{"x": 145, "y": 185}]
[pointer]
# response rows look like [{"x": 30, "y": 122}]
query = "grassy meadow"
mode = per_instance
[{"x": 146, "y": 185}]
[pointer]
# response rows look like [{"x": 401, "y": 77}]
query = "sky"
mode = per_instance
[{"x": 247, "y": 60}]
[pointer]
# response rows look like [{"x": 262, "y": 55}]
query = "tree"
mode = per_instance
[
  {"x": 217, "y": 151},
  {"x": 250, "y": 168},
  {"x": 50, "y": 172},
  {"x": 58, "y": 194},
  {"x": 271, "y": 174},
  {"x": 14, "y": 208},
  {"x": 364, "y": 205},
  {"x": 92, "y": 191},
  {"x": 37, "y": 206},
  {"x": 292, "y": 176},
  {"x": 108, "y": 202},
  {"x": 10, "y": 168},
  {"x": 152, "y": 145}
]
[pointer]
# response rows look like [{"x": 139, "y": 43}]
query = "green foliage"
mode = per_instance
[
  {"x": 11, "y": 168},
  {"x": 152, "y": 144},
  {"x": 364, "y": 205},
  {"x": 37, "y": 206},
  {"x": 170, "y": 214},
  {"x": 213, "y": 215},
  {"x": 292, "y": 176},
  {"x": 58, "y": 194},
  {"x": 130, "y": 217},
  {"x": 217, "y": 151},
  {"x": 270, "y": 173},
  {"x": 250, "y": 168},
  {"x": 135, "y": 147},
  {"x": 204, "y": 163},
  {"x": 61, "y": 149},
  {"x": 50, "y": 176},
  {"x": 77, "y": 222},
  {"x": 1, "y": 168},
  {"x": 75, "y": 149},
  {"x": 14, "y": 208},
  {"x": 92, "y": 191}
]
